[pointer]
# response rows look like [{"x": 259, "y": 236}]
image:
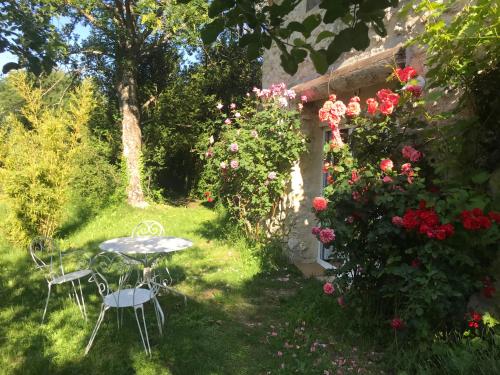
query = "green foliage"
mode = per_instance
[
  {"x": 27, "y": 32},
  {"x": 249, "y": 158},
  {"x": 47, "y": 160},
  {"x": 463, "y": 56},
  {"x": 266, "y": 23}
]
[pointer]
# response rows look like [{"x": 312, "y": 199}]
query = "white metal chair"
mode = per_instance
[
  {"x": 46, "y": 255},
  {"x": 148, "y": 228},
  {"x": 121, "y": 295}
]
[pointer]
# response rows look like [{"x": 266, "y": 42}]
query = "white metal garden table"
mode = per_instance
[{"x": 147, "y": 250}]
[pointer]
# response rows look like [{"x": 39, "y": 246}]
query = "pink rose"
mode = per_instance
[
  {"x": 386, "y": 165},
  {"x": 355, "y": 99},
  {"x": 328, "y": 288},
  {"x": 234, "y": 164},
  {"x": 387, "y": 179},
  {"x": 326, "y": 235},
  {"x": 271, "y": 175},
  {"x": 232, "y": 106},
  {"x": 411, "y": 154},
  {"x": 320, "y": 204},
  {"x": 386, "y": 107},
  {"x": 234, "y": 147},
  {"x": 339, "y": 108},
  {"x": 219, "y": 106},
  {"x": 227, "y": 121},
  {"x": 372, "y": 106},
  {"x": 397, "y": 221},
  {"x": 303, "y": 98},
  {"x": 237, "y": 115},
  {"x": 315, "y": 230},
  {"x": 209, "y": 153},
  {"x": 397, "y": 324},
  {"x": 406, "y": 169},
  {"x": 353, "y": 109},
  {"x": 332, "y": 97},
  {"x": 341, "y": 301}
]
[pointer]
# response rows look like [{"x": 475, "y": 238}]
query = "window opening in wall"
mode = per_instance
[{"x": 311, "y": 4}]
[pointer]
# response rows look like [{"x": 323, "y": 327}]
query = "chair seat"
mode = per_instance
[
  {"x": 71, "y": 276},
  {"x": 128, "y": 297}
]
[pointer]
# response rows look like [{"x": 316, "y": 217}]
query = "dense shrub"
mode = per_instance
[
  {"x": 48, "y": 160},
  {"x": 248, "y": 166},
  {"x": 404, "y": 240}
]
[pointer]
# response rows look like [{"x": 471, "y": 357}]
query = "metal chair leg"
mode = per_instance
[
  {"x": 160, "y": 318},
  {"x": 77, "y": 299},
  {"x": 46, "y": 303},
  {"x": 83, "y": 300},
  {"x": 96, "y": 328},
  {"x": 147, "y": 348}
]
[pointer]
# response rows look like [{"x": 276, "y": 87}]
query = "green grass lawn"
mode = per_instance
[{"x": 241, "y": 317}]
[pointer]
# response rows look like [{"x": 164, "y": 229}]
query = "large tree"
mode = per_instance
[{"x": 132, "y": 31}]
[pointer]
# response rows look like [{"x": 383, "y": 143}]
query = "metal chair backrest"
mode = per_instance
[
  {"x": 148, "y": 228},
  {"x": 45, "y": 254}
]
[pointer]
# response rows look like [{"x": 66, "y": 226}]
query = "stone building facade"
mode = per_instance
[{"x": 355, "y": 73}]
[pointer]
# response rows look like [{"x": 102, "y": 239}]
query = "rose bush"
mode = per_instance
[
  {"x": 417, "y": 251},
  {"x": 250, "y": 156}
]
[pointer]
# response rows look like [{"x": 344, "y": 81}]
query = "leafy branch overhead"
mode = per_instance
[{"x": 265, "y": 22}]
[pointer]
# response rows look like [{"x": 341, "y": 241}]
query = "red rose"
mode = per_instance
[
  {"x": 476, "y": 316},
  {"x": 404, "y": 75},
  {"x": 386, "y": 165},
  {"x": 388, "y": 95},
  {"x": 477, "y": 212},
  {"x": 484, "y": 222},
  {"x": 488, "y": 291},
  {"x": 415, "y": 90},
  {"x": 416, "y": 263},
  {"x": 495, "y": 216},
  {"x": 440, "y": 234},
  {"x": 372, "y": 106},
  {"x": 320, "y": 204},
  {"x": 330, "y": 179},
  {"x": 386, "y": 107},
  {"x": 397, "y": 324}
]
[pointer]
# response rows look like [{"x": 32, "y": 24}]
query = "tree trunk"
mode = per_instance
[{"x": 131, "y": 133}]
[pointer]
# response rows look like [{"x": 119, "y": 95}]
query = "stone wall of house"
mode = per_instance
[{"x": 306, "y": 175}]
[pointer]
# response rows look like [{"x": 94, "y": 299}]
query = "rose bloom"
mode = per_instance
[
  {"x": 223, "y": 165},
  {"x": 315, "y": 230},
  {"x": 303, "y": 98},
  {"x": 349, "y": 219},
  {"x": 406, "y": 169},
  {"x": 271, "y": 175},
  {"x": 397, "y": 324},
  {"x": 416, "y": 263},
  {"x": 386, "y": 107},
  {"x": 353, "y": 109},
  {"x": 219, "y": 106},
  {"x": 209, "y": 153},
  {"x": 227, "y": 121},
  {"x": 416, "y": 91},
  {"x": 328, "y": 288},
  {"x": 341, "y": 301},
  {"x": 387, "y": 179},
  {"x": 356, "y": 196},
  {"x": 330, "y": 179},
  {"x": 411, "y": 154},
  {"x": 234, "y": 147},
  {"x": 254, "y": 133},
  {"x": 283, "y": 101},
  {"x": 397, "y": 220},
  {"x": 320, "y": 204},
  {"x": 404, "y": 75},
  {"x": 332, "y": 97},
  {"x": 237, "y": 115},
  {"x": 355, "y": 99},
  {"x": 234, "y": 164},
  {"x": 372, "y": 106},
  {"x": 326, "y": 235},
  {"x": 387, "y": 94},
  {"x": 339, "y": 108},
  {"x": 232, "y": 106},
  {"x": 386, "y": 165}
]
